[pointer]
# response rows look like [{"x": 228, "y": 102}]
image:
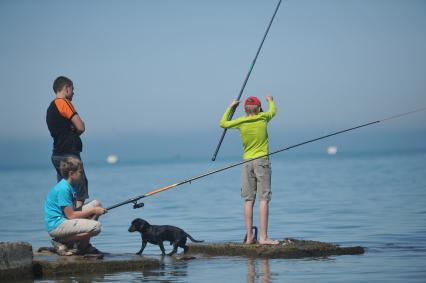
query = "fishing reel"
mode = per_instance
[{"x": 138, "y": 205}]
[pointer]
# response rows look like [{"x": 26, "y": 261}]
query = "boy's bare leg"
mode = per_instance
[
  {"x": 248, "y": 220},
  {"x": 263, "y": 219},
  {"x": 79, "y": 204},
  {"x": 94, "y": 203}
]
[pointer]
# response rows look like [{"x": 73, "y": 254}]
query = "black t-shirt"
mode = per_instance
[{"x": 58, "y": 119}]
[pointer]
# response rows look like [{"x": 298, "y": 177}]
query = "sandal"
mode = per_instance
[
  {"x": 61, "y": 249},
  {"x": 89, "y": 250}
]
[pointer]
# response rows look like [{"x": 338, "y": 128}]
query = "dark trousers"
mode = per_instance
[{"x": 82, "y": 190}]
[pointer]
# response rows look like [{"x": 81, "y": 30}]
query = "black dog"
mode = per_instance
[{"x": 156, "y": 234}]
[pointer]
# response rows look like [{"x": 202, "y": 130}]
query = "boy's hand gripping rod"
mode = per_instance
[{"x": 139, "y": 205}]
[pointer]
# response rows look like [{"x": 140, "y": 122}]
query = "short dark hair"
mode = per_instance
[
  {"x": 60, "y": 82},
  {"x": 69, "y": 164}
]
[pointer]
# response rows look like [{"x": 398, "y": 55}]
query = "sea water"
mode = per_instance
[{"x": 372, "y": 199}]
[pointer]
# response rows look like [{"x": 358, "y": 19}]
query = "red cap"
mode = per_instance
[{"x": 252, "y": 100}]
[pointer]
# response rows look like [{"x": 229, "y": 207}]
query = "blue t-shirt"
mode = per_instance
[{"x": 63, "y": 194}]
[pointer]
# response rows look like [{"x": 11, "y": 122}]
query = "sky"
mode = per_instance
[{"x": 152, "y": 78}]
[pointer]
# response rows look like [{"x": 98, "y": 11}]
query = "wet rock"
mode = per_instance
[
  {"x": 15, "y": 260},
  {"x": 187, "y": 258},
  {"x": 289, "y": 248},
  {"x": 49, "y": 265}
]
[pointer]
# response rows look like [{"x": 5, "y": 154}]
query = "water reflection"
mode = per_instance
[
  {"x": 253, "y": 273},
  {"x": 172, "y": 269},
  {"x": 86, "y": 278}
]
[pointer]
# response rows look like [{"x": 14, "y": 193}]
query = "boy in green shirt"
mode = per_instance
[{"x": 256, "y": 175}]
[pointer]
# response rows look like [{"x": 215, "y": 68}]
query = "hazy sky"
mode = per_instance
[{"x": 170, "y": 68}]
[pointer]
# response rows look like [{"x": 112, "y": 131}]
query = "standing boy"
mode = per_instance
[
  {"x": 66, "y": 126},
  {"x": 66, "y": 225},
  {"x": 256, "y": 175}
]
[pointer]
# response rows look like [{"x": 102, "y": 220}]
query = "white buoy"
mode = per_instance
[
  {"x": 332, "y": 150},
  {"x": 112, "y": 159}
]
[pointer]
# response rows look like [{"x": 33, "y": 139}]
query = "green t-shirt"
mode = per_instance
[{"x": 253, "y": 130}]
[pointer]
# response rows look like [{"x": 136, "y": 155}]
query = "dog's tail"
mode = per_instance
[{"x": 192, "y": 239}]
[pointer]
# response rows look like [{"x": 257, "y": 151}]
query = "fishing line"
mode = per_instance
[
  {"x": 139, "y": 205},
  {"x": 404, "y": 114}
]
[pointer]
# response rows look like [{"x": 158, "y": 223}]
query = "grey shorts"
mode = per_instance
[
  {"x": 71, "y": 227},
  {"x": 256, "y": 178},
  {"x": 82, "y": 188}
]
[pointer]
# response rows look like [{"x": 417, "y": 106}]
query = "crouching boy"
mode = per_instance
[{"x": 71, "y": 228}]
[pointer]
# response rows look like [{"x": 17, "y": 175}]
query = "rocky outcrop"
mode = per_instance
[
  {"x": 290, "y": 248},
  {"x": 16, "y": 260}
]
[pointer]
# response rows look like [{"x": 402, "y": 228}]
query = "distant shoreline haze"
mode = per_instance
[{"x": 200, "y": 146}]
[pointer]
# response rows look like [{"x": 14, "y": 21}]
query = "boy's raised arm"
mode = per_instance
[
  {"x": 224, "y": 122},
  {"x": 271, "y": 107}
]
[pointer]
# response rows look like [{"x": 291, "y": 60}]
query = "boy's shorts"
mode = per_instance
[
  {"x": 71, "y": 227},
  {"x": 256, "y": 178}
]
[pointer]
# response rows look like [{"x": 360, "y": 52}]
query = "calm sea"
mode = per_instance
[{"x": 373, "y": 199}]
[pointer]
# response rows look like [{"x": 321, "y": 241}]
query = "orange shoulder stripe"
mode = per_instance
[{"x": 65, "y": 108}]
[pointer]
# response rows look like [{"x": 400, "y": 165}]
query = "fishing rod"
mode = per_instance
[
  {"x": 139, "y": 205},
  {"x": 246, "y": 79}
]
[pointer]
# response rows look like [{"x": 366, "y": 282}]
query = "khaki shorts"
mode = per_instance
[
  {"x": 256, "y": 178},
  {"x": 71, "y": 227}
]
